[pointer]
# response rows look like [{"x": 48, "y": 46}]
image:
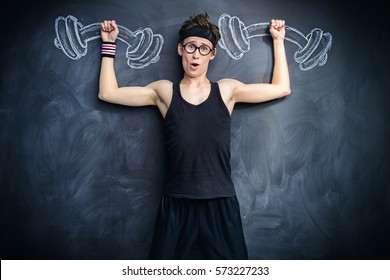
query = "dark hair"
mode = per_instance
[{"x": 201, "y": 21}]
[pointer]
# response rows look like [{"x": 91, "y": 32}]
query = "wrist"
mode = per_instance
[
  {"x": 278, "y": 41},
  {"x": 108, "y": 49}
]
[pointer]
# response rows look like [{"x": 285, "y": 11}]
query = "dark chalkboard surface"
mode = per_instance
[{"x": 82, "y": 179}]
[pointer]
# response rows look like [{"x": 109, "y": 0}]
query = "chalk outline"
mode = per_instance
[
  {"x": 72, "y": 38},
  {"x": 235, "y": 39}
]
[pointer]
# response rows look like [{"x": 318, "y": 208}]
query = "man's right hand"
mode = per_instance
[{"x": 109, "y": 31}]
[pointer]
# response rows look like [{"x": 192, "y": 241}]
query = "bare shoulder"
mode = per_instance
[
  {"x": 229, "y": 84},
  {"x": 228, "y": 87},
  {"x": 160, "y": 85},
  {"x": 162, "y": 88}
]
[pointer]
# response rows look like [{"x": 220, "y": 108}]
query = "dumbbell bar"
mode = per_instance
[
  {"x": 72, "y": 38},
  {"x": 235, "y": 39}
]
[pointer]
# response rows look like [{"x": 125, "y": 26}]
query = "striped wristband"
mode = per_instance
[{"x": 108, "y": 49}]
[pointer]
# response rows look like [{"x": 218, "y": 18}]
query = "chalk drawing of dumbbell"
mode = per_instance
[
  {"x": 72, "y": 38},
  {"x": 235, "y": 39}
]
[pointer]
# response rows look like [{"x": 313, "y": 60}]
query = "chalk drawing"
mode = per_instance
[
  {"x": 144, "y": 47},
  {"x": 235, "y": 39},
  {"x": 72, "y": 38}
]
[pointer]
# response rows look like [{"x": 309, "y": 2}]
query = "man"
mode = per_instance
[{"x": 199, "y": 203}]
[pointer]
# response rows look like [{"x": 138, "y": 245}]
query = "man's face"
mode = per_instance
[{"x": 195, "y": 64}]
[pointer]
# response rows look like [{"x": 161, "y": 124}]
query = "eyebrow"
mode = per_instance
[{"x": 202, "y": 44}]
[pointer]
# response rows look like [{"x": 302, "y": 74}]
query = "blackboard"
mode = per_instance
[{"x": 82, "y": 179}]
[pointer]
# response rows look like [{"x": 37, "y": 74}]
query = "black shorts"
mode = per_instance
[{"x": 214, "y": 225}]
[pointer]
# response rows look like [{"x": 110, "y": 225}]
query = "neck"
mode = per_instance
[{"x": 195, "y": 81}]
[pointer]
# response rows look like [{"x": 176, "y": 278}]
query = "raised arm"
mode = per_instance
[
  {"x": 261, "y": 92},
  {"x": 156, "y": 93},
  {"x": 280, "y": 77}
]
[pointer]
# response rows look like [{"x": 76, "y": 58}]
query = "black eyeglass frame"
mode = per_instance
[{"x": 197, "y": 48}]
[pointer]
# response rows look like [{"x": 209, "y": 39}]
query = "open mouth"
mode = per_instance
[{"x": 194, "y": 66}]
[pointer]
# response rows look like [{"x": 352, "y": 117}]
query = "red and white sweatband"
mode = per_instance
[{"x": 108, "y": 49}]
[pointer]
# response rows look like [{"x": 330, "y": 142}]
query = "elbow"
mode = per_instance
[
  {"x": 107, "y": 94},
  {"x": 285, "y": 92},
  {"x": 104, "y": 96}
]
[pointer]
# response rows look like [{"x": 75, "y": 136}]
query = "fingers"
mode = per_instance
[
  {"x": 277, "y": 24},
  {"x": 109, "y": 25}
]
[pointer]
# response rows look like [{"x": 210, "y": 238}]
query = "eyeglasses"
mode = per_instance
[{"x": 191, "y": 48}]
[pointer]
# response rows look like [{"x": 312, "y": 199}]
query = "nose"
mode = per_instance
[{"x": 196, "y": 53}]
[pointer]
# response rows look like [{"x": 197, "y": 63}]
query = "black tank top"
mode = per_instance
[{"x": 198, "y": 147}]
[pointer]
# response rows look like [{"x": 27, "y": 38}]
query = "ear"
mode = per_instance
[
  {"x": 180, "y": 49},
  {"x": 213, "y": 54}
]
